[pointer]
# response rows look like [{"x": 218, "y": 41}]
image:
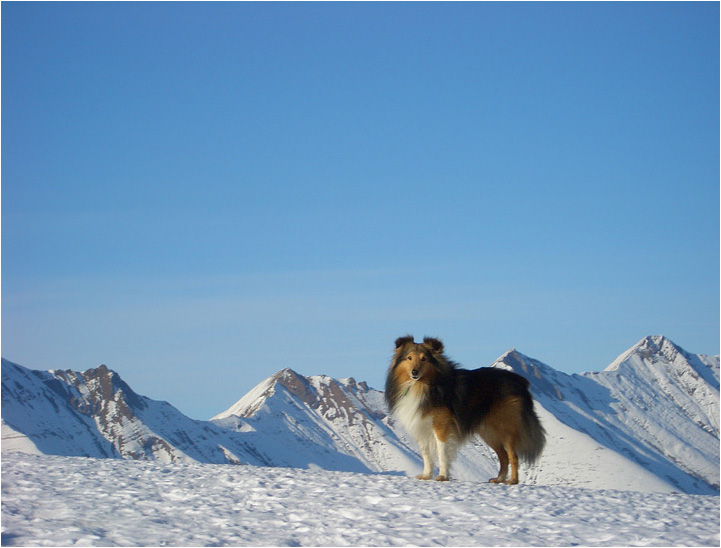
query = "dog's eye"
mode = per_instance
[
  {"x": 410, "y": 357},
  {"x": 423, "y": 358}
]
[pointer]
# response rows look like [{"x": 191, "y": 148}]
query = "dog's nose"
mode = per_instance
[{"x": 414, "y": 373}]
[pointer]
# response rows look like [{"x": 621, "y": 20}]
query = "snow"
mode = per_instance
[
  {"x": 12, "y": 440},
  {"x": 65, "y": 501}
]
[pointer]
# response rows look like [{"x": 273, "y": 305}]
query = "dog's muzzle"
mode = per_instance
[{"x": 415, "y": 375}]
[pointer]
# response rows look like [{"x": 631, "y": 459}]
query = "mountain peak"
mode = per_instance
[
  {"x": 513, "y": 360},
  {"x": 658, "y": 359},
  {"x": 288, "y": 377},
  {"x": 98, "y": 385},
  {"x": 648, "y": 351},
  {"x": 290, "y": 380},
  {"x": 543, "y": 378},
  {"x": 254, "y": 400},
  {"x": 658, "y": 343},
  {"x": 296, "y": 384}
]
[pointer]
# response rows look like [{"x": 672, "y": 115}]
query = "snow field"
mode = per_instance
[{"x": 71, "y": 501}]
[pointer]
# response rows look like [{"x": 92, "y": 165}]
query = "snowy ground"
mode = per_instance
[{"x": 63, "y": 501}]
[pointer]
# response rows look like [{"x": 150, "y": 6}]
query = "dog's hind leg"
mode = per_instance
[
  {"x": 503, "y": 463},
  {"x": 513, "y": 458}
]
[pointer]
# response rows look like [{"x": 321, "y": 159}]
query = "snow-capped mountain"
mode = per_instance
[
  {"x": 96, "y": 414},
  {"x": 341, "y": 414},
  {"x": 649, "y": 422},
  {"x": 655, "y": 405}
]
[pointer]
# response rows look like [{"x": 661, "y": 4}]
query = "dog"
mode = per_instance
[{"x": 442, "y": 405}]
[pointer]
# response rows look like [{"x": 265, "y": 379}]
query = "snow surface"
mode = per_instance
[{"x": 65, "y": 501}]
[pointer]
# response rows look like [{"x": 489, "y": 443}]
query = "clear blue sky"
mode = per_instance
[{"x": 198, "y": 195}]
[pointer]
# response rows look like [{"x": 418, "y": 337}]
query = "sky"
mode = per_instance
[{"x": 201, "y": 194}]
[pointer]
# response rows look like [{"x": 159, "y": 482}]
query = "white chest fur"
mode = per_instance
[{"x": 408, "y": 412}]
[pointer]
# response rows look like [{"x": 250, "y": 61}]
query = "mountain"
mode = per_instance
[
  {"x": 335, "y": 415},
  {"x": 96, "y": 414},
  {"x": 649, "y": 422},
  {"x": 656, "y": 405}
]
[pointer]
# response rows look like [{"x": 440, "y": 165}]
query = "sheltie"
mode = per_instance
[{"x": 442, "y": 405}]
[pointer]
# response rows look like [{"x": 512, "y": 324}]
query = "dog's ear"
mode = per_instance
[
  {"x": 434, "y": 344},
  {"x": 400, "y": 341}
]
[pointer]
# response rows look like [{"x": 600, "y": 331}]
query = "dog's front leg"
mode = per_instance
[
  {"x": 427, "y": 454},
  {"x": 445, "y": 433},
  {"x": 446, "y": 453}
]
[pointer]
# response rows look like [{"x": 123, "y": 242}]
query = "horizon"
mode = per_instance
[
  {"x": 202, "y": 194},
  {"x": 380, "y": 387}
]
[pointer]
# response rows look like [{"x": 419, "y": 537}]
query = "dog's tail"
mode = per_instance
[{"x": 533, "y": 437}]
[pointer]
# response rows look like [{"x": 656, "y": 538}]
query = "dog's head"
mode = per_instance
[{"x": 417, "y": 361}]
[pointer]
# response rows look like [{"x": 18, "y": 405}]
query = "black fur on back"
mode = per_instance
[
  {"x": 478, "y": 390},
  {"x": 471, "y": 394}
]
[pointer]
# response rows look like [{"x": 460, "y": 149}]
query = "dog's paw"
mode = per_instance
[
  {"x": 439, "y": 477},
  {"x": 423, "y": 477},
  {"x": 496, "y": 480}
]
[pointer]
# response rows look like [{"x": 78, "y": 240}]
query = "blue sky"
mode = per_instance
[{"x": 200, "y": 194}]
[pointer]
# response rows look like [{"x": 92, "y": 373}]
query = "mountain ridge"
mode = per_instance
[{"x": 647, "y": 423}]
